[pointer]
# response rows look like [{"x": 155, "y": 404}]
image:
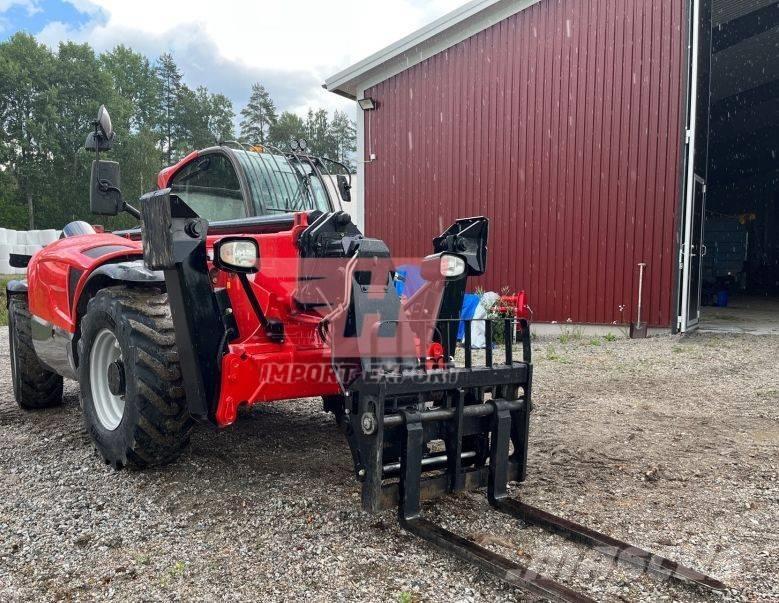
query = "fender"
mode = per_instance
[
  {"x": 133, "y": 271},
  {"x": 15, "y": 288},
  {"x": 62, "y": 277},
  {"x": 56, "y": 347}
]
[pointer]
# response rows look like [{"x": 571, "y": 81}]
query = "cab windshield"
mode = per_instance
[
  {"x": 276, "y": 185},
  {"x": 281, "y": 185}
]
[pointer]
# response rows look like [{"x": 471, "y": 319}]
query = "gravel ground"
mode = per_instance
[{"x": 668, "y": 443}]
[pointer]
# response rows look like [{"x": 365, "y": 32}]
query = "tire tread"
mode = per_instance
[
  {"x": 39, "y": 386},
  {"x": 164, "y": 424}
]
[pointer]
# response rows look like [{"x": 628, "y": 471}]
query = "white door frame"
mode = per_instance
[{"x": 685, "y": 322}]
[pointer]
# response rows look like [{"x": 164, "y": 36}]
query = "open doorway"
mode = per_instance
[{"x": 740, "y": 257}]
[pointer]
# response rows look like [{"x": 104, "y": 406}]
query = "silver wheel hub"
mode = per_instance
[{"x": 105, "y": 357}]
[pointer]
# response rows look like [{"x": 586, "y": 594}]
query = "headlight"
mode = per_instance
[
  {"x": 241, "y": 255},
  {"x": 452, "y": 266}
]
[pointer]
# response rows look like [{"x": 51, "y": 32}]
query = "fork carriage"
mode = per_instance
[{"x": 418, "y": 434}]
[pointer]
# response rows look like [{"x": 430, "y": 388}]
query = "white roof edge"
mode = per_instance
[{"x": 336, "y": 83}]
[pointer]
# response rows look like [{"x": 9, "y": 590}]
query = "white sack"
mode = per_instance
[{"x": 477, "y": 326}]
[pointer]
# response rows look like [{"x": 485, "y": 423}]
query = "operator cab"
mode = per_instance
[
  {"x": 226, "y": 184},
  {"x": 230, "y": 185}
]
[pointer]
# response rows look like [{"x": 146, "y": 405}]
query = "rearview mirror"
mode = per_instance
[
  {"x": 105, "y": 198},
  {"x": 344, "y": 188},
  {"x": 104, "y": 121},
  {"x": 103, "y": 137}
]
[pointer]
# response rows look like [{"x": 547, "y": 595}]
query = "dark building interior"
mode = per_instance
[{"x": 741, "y": 231}]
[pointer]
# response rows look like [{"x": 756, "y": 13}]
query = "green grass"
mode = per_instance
[
  {"x": 3, "y": 308},
  {"x": 569, "y": 333}
]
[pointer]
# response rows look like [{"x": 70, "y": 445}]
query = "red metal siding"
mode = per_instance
[{"x": 562, "y": 125}]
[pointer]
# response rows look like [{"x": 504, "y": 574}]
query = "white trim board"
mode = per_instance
[{"x": 451, "y": 29}]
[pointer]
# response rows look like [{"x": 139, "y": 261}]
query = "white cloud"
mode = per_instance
[
  {"x": 31, "y": 5},
  {"x": 291, "y": 47}
]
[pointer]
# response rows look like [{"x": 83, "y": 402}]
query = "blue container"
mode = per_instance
[{"x": 722, "y": 298}]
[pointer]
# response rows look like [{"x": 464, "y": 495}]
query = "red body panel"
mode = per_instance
[
  {"x": 257, "y": 369},
  {"x": 165, "y": 175},
  {"x": 49, "y": 274},
  {"x": 254, "y": 368}
]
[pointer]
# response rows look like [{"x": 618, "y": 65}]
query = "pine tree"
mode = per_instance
[
  {"x": 259, "y": 116},
  {"x": 169, "y": 77}
]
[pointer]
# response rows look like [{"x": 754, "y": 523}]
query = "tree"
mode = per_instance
[
  {"x": 169, "y": 78},
  {"x": 140, "y": 159},
  {"x": 288, "y": 127},
  {"x": 344, "y": 134},
  {"x": 258, "y": 115},
  {"x": 48, "y": 101},
  {"x": 138, "y": 90},
  {"x": 221, "y": 118},
  {"x": 27, "y": 115},
  {"x": 82, "y": 86},
  {"x": 202, "y": 119}
]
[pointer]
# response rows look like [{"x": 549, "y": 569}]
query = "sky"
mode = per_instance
[{"x": 291, "y": 47}]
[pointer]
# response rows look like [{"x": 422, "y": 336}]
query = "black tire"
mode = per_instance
[
  {"x": 155, "y": 424},
  {"x": 35, "y": 385}
]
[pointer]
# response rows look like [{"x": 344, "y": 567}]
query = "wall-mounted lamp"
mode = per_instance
[{"x": 367, "y": 104}]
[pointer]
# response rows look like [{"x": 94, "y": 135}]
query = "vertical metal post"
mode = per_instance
[
  {"x": 411, "y": 466},
  {"x": 467, "y": 344},
  {"x": 527, "y": 352},
  {"x": 508, "y": 336},
  {"x": 488, "y": 341},
  {"x": 454, "y": 444},
  {"x": 374, "y": 457},
  {"x": 520, "y": 428},
  {"x": 499, "y": 451}
]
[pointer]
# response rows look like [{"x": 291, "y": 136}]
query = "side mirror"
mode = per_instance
[
  {"x": 104, "y": 122},
  {"x": 105, "y": 198},
  {"x": 344, "y": 188},
  {"x": 103, "y": 137}
]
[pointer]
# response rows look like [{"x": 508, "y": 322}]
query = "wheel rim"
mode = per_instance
[{"x": 109, "y": 407}]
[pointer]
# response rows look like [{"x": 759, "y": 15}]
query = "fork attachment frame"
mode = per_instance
[{"x": 437, "y": 424}]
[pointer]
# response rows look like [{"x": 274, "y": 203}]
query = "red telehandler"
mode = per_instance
[{"x": 245, "y": 284}]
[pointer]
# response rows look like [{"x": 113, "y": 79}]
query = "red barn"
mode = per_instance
[{"x": 596, "y": 135}]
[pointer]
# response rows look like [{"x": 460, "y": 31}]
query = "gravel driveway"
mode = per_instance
[{"x": 669, "y": 443}]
